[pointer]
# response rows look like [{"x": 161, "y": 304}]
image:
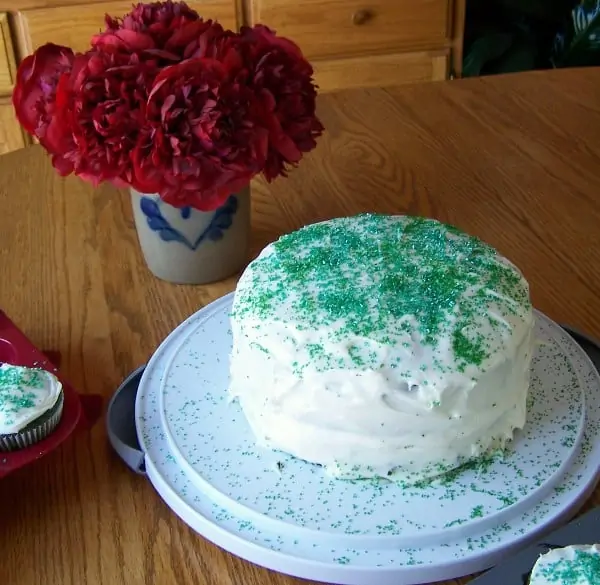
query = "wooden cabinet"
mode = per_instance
[
  {"x": 8, "y": 66},
  {"x": 73, "y": 26},
  {"x": 381, "y": 70},
  {"x": 367, "y": 43},
  {"x": 326, "y": 28},
  {"x": 12, "y": 136},
  {"x": 351, "y": 43}
]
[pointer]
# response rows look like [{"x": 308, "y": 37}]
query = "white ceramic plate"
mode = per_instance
[{"x": 285, "y": 514}]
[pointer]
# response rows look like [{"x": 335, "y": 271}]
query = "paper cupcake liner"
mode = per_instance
[{"x": 36, "y": 431}]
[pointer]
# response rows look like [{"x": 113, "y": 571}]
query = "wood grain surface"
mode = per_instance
[
  {"x": 333, "y": 28},
  {"x": 514, "y": 160},
  {"x": 381, "y": 70},
  {"x": 37, "y": 26}
]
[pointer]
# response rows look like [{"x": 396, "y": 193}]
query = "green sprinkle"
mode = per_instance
[
  {"x": 466, "y": 350},
  {"x": 385, "y": 278},
  {"x": 477, "y": 512},
  {"x": 583, "y": 569},
  {"x": 17, "y": 387}
]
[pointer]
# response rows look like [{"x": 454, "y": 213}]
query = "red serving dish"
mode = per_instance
[{"x": 79, "y": 411}]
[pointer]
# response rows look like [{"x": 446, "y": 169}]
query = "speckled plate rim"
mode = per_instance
[
  {"x": 339, "y": 574},
  {"x": 422, "y": 538},
  {"x": 198, "y": 512}
]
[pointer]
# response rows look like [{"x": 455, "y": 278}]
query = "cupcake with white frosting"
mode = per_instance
[
  {"x": 569, "y": 565},
  {"x": 31, "y": 405}
]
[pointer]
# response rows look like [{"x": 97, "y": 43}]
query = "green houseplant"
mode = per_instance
[
  {"x": 579, "y": 43},
  {"x": 504, "y": 36}
]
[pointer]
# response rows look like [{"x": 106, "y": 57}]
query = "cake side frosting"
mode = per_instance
[
  {"x": 570, "y": 565},
  {"x": 380, "y": 345},
  {"x": 25, "y": 394}
]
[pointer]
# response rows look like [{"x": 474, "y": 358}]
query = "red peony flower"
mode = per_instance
[
  {"x": 159, "y": 19},
  {"x": 37, "y": 78},
  {"x": 100, "y": 112},
  {"x": 168, "y": 102},
  {"x": 146, "y": 27},
  {"x": 282, "y": 79},
  {"x": 200, "y": 144},
  {"x": 201, "y": 38}
]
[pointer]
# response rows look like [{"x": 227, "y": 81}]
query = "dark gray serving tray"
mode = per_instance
[{"x": 515, "y": 570}]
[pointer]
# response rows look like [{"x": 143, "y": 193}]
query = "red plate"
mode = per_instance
[{"x": 78, "y": 411}]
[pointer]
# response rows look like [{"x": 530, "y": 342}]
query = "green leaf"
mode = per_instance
[
  {"x": 583, "y": 16},
  {"x": 483, "y": 50},
  {"x": 579, "y": 45},
  {"x": 521, "y": 56}
]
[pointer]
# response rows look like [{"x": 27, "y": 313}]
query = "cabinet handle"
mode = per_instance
[{"x": 361, "y": 17}]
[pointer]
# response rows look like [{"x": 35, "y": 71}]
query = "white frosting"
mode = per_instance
[
  {"x": 380, "y": 399},
  {"x": 571, "y": 565},
  {"x": 25, "y": 394}
]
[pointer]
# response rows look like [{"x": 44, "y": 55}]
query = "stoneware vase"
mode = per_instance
[{"x": 187, "y": 246}]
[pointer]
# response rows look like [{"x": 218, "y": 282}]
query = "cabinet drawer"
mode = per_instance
[
  {"x": 381, "y": 70},
  {"x": 73, "y": 26},
  {"x": 326, "y": 28},
  {"x": 7, "y": 58},
  {"x": 11, "y": 134}
]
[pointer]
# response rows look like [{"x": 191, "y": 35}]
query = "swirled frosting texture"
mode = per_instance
[
  {"x": 571, "y": 565},
  {"x": 382, "y": 345},
  {"x": 25, "y": 394}
]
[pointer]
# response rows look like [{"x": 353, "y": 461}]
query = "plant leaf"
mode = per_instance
[
  {"x": 579, "y": 45},
  {"x": 485, "y": 49},
  {"x": 521, "y": 56}
]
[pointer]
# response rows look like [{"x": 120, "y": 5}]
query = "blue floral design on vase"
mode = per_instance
[
  {"x": 220, "y": 222},
  {"x": 188, "y": 246}
]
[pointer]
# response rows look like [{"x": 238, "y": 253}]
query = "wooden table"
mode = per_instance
[{"x": 515, "y": 160}]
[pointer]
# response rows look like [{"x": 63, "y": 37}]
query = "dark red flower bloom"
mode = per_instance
[
  {"x": 168, "y": 102},
  {"x": 159, "y": 19},
  {"x": 37, "y": 78},
  {"x": 123, "y": 40},
  {"x": 101, "y": 110},
  {"x": 201, "y": 38},
  {"x": 200, "y": 143},
  {"x": 146, "y": 27},
  {"x": 282, "y": 80}
]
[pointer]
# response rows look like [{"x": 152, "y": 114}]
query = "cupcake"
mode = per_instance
[{"x": 31, "y": 405}]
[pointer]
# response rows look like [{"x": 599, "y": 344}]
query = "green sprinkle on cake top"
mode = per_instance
[
  {"x": 583, "y": 569},
  {"x": 381, "y": 278}
]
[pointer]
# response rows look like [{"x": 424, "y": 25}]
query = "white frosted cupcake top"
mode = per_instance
[
  {"x": 571, "y": 565},
  {"x": 25, "y": 394}
]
